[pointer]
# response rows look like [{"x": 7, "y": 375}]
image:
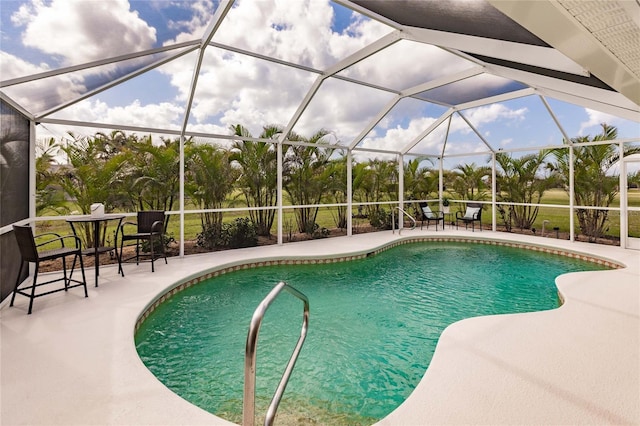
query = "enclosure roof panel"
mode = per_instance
[{"x": 475, "y": 18}]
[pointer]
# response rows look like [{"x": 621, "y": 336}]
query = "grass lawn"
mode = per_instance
[{"x": 559, "y": 217}]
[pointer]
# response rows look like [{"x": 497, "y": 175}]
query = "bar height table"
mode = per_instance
[{"x": 96, "y": 250}]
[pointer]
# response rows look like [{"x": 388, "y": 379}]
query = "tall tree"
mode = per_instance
[
  {"x": 470, "y": 181},
  {"x": 49, "y": 196},
  {"x": 113, "y": 143},
  {"x": 520, "y": 180},
  {"x": 337, "y": 188},
  {"x": 90, "y": 177},
  {"x": 154, "y": 174},
  {"x": 306, "y": 178},
  {"x": 258, "y": 174},
  {"x": 419, "y": 182},
  {"x": 377, "y": 181},
  {"x": 210, "y": 181},
  {"x": 595, "y": 184}
]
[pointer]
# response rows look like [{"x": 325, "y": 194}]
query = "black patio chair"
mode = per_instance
[
  {"x": 428, "y": 215},
  {"x": 150, "y": 228},
  {"x": 31, "y": 252},
  {"x": 472, "y": 215}
]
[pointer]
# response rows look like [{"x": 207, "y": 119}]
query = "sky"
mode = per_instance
[{"x": 42, "y": 35}]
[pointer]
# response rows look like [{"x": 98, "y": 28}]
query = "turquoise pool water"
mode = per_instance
[{"x": 374, "y": 325}]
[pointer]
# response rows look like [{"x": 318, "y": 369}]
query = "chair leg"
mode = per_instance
[
  {"x": 121, "y": 269},
  {"x": 152, "y": 255},
  {"x": 73, "y": 268},
  {"x": 119, "y": 257},
  {"x": 137, "y": 252},
  {"x": 15, "y": 290},
  {"x": 84, "y": 279},
  {"x": 33, "y": 288},
  {"x": 67, "y": 281},
  {"x": 164, "y": 251},
  {"x": 118, "y": 253}
]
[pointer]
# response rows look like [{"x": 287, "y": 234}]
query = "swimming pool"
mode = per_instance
[{"x": 374, "y": 326}]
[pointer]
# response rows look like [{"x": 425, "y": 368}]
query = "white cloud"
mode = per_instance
[
  {"x": 12, "y": 67},
  {"x": 406, "y": 64},
  {"x": 194, "y": 28},
  {"x": 344, "y": 108},
  {"x": 462, "y": 138},
  {"x": 296, "y": 31},
  {"x": 397, "y": 138},
  {"x": 162, "y": 115},
  {"x": 79, "y": 31},
  {"x": 494, "y": 113},
  {"x": 38, "y": 95},
  {"x": 595, "y": 119}
]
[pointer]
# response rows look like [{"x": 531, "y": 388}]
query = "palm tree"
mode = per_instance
[
  {"x": 258, "y": 174},
  {"x": 419, "y": 182},
  {"x": 306, "y": 177},
  {"x": 469, "y": 182},
  {"x": 519, "y": 181},
  {"x": 113, "y": 143},
  {"x": 378, "y": 181},
  {"x": 209, "y": 182},
  {"x": 49, "y": 196},
  {"x": 152, "y": 181},
  {"x": 89, "y": 178},
  {"x": 594, "y": 184},
  {"x": 360, "y": 175},
  {"x": 337, "y": 176}
]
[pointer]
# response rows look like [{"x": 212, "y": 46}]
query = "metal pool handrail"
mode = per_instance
[
  {"x": 248, "y": 409},
  {"x": 393, "y": 220}
]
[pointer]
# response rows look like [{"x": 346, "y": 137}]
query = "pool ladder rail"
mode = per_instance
[
  {"x": 248, "y": 408},
  {"x": 393, "y": 220}
]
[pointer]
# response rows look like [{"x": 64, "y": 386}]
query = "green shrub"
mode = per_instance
[
  {"x": 157, "y": 244},
  {"x": 380, "y": 219},
  {"x": 318, "y": 232},
  {"x": 240, "y": 233},
  {"x": 213, "y": 237}
]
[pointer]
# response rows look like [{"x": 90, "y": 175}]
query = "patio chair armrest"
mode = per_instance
[
  {"x": 55, "y": 238},
  {"x": 47, "y": 233},
  {"x": 157, "y": 226},
  {"x": 122, "y": 225},
  {"x": 59, "y": 239},
  {"x": 459, "y": 215}
]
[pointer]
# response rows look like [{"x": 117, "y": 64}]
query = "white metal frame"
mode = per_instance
[{"x": 626, "y": 241}]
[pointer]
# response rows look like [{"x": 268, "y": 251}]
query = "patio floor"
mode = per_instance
[{"x": 73, "y": 361}]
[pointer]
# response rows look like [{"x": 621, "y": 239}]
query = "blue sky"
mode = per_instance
[{"x": 43, "y": 35}]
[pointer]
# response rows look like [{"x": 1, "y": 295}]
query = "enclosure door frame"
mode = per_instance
[{"x": 625, "y": 240}]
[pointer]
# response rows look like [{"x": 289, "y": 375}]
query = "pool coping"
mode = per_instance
[{"x": 83, "y": 368}]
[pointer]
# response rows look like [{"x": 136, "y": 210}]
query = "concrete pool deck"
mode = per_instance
[{"x": 73, "y": 361}]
